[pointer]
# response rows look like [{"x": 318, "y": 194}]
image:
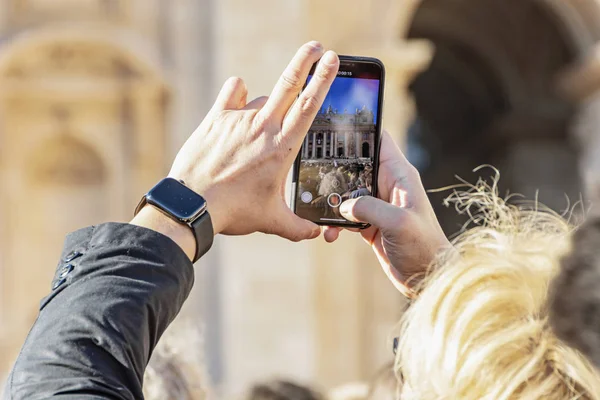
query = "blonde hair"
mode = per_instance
[{"x": 479, "y": 328}]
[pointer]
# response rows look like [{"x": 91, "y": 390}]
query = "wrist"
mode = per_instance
[
  {"x": 217, "y": 215},
  {"x": 151, "y": 218},
  {"x": 209, "y": 193}
]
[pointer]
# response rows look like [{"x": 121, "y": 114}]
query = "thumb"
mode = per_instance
[
  {"x": 371, "y": 210},
  {"x": 290, "y": 226}
]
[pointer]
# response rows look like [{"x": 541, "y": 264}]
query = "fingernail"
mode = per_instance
[
  {"x": 330, "y": 58},
  {"x": 315, "y": 45}
]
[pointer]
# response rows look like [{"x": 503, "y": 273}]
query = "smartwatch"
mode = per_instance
[{"x": 185, "y": 206}]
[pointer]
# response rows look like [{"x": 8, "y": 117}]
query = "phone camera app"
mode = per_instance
[{"x": 336, "y": 162}]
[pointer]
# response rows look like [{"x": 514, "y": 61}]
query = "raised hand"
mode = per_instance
[
  {"x": 239, "y": 156},
  {"x": 404, "y": 234}
]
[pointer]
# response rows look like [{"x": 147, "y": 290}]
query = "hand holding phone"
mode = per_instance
[
  {"x": 405, "y": 234},
  {"x": 339, "y": 159}
]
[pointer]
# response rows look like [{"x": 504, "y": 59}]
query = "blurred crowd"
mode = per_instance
[{"x": 350, "y": 180}]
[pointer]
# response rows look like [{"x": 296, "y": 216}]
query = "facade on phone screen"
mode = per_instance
[{"x": 345, "y": 134}]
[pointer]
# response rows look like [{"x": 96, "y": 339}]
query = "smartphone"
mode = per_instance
[{"x": 339, "y": 159}]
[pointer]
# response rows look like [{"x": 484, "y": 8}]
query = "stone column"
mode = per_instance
[
  {"x": 190, "y": 66},
  {"x": 347, "y": 143},
  {"x": 305, "y": 150},
  {"x": 148, "y": 131},
  {"x": 334, "y": 138},
  {"x": 357, "y": 143},
  {"x": 314, "y": 145},
  {"x": 189, "y": 51},
  {"x": 404, "y": 60},
  {"x": 331, "y": 143},
  {"x": 4, "y": 15}
]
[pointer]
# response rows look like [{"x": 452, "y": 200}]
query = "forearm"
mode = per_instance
[
  {"x": 96, "y": 331},
  {"x": 149, "y": 217}
]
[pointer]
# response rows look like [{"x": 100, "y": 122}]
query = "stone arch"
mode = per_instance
[
  {"x": 579, "y": 20},
  {"x": 490, "y": 94},
  {"x": 366, "y": 150},
  {"x": 65, "y": 160},
  {"x": 76, "y": 67},
  {"x": 132, "y": 50}
]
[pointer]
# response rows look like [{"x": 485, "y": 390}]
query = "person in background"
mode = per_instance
[
  {"x": 478, "y": 324},
  {"x": 176, "y": 369},
  {"x": 333, "y": 182},
  {"x": 364, "y": 188},
  {"x": 575, "y": 303},
  {"x": 478, "y": 328},
  {"x": 283, "y": 390}
]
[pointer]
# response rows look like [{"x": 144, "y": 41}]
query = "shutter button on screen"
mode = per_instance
[{"x": 334, "y": 200}]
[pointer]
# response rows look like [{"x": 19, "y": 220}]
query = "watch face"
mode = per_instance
[{"x": 176, "y": 199}]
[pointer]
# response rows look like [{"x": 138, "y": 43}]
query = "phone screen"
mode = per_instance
[{"x": 339, "y": 158}]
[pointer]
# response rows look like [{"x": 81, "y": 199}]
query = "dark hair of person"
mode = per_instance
[{"x": 283, "y": 390}]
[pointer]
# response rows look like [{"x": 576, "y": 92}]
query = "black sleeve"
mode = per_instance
[{"x": 116, "y": 289}]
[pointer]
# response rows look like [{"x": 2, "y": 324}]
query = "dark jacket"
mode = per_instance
[{"x": 116, "y": 289}]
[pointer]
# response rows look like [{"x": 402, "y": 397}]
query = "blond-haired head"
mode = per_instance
[{"x": 479, "y": 328}]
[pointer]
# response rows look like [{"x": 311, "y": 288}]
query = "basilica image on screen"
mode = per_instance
[
  {"x": 338, "y": 151},
  {"x": 340, "y": 135}
]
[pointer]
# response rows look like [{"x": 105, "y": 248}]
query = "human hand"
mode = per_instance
[
  {"x": 239, "y": 156},
  {"x": 405, "y": 234}
]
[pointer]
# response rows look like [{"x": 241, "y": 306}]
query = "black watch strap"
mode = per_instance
[
  {"x": 204, "y": 234},
  {"x": 166, "y": 197}
]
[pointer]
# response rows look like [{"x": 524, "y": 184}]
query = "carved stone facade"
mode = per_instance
[
  {"x": 341, "y": 135},
  {"x": 96, "y": 96}
]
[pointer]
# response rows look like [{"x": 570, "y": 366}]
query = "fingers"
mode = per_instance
[
  {"x": 291, "y": 81},
  {"x": 257, "y": 103},
  {"x": 368, "y": 209},
  {"x": 304, "y": 111},
  {"x": 289, "y": 226},
  {"x": 233, "y": 93},
  {"x": 243, "y": 100},
  {"x": 331, "y": 233},
  {"x": 395, "y": 170}
]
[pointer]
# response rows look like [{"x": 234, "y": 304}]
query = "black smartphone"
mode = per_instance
[{"x": 339, "y": 159}]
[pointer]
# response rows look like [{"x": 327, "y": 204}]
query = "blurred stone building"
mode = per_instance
[{"x": 96, "y": 96}]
